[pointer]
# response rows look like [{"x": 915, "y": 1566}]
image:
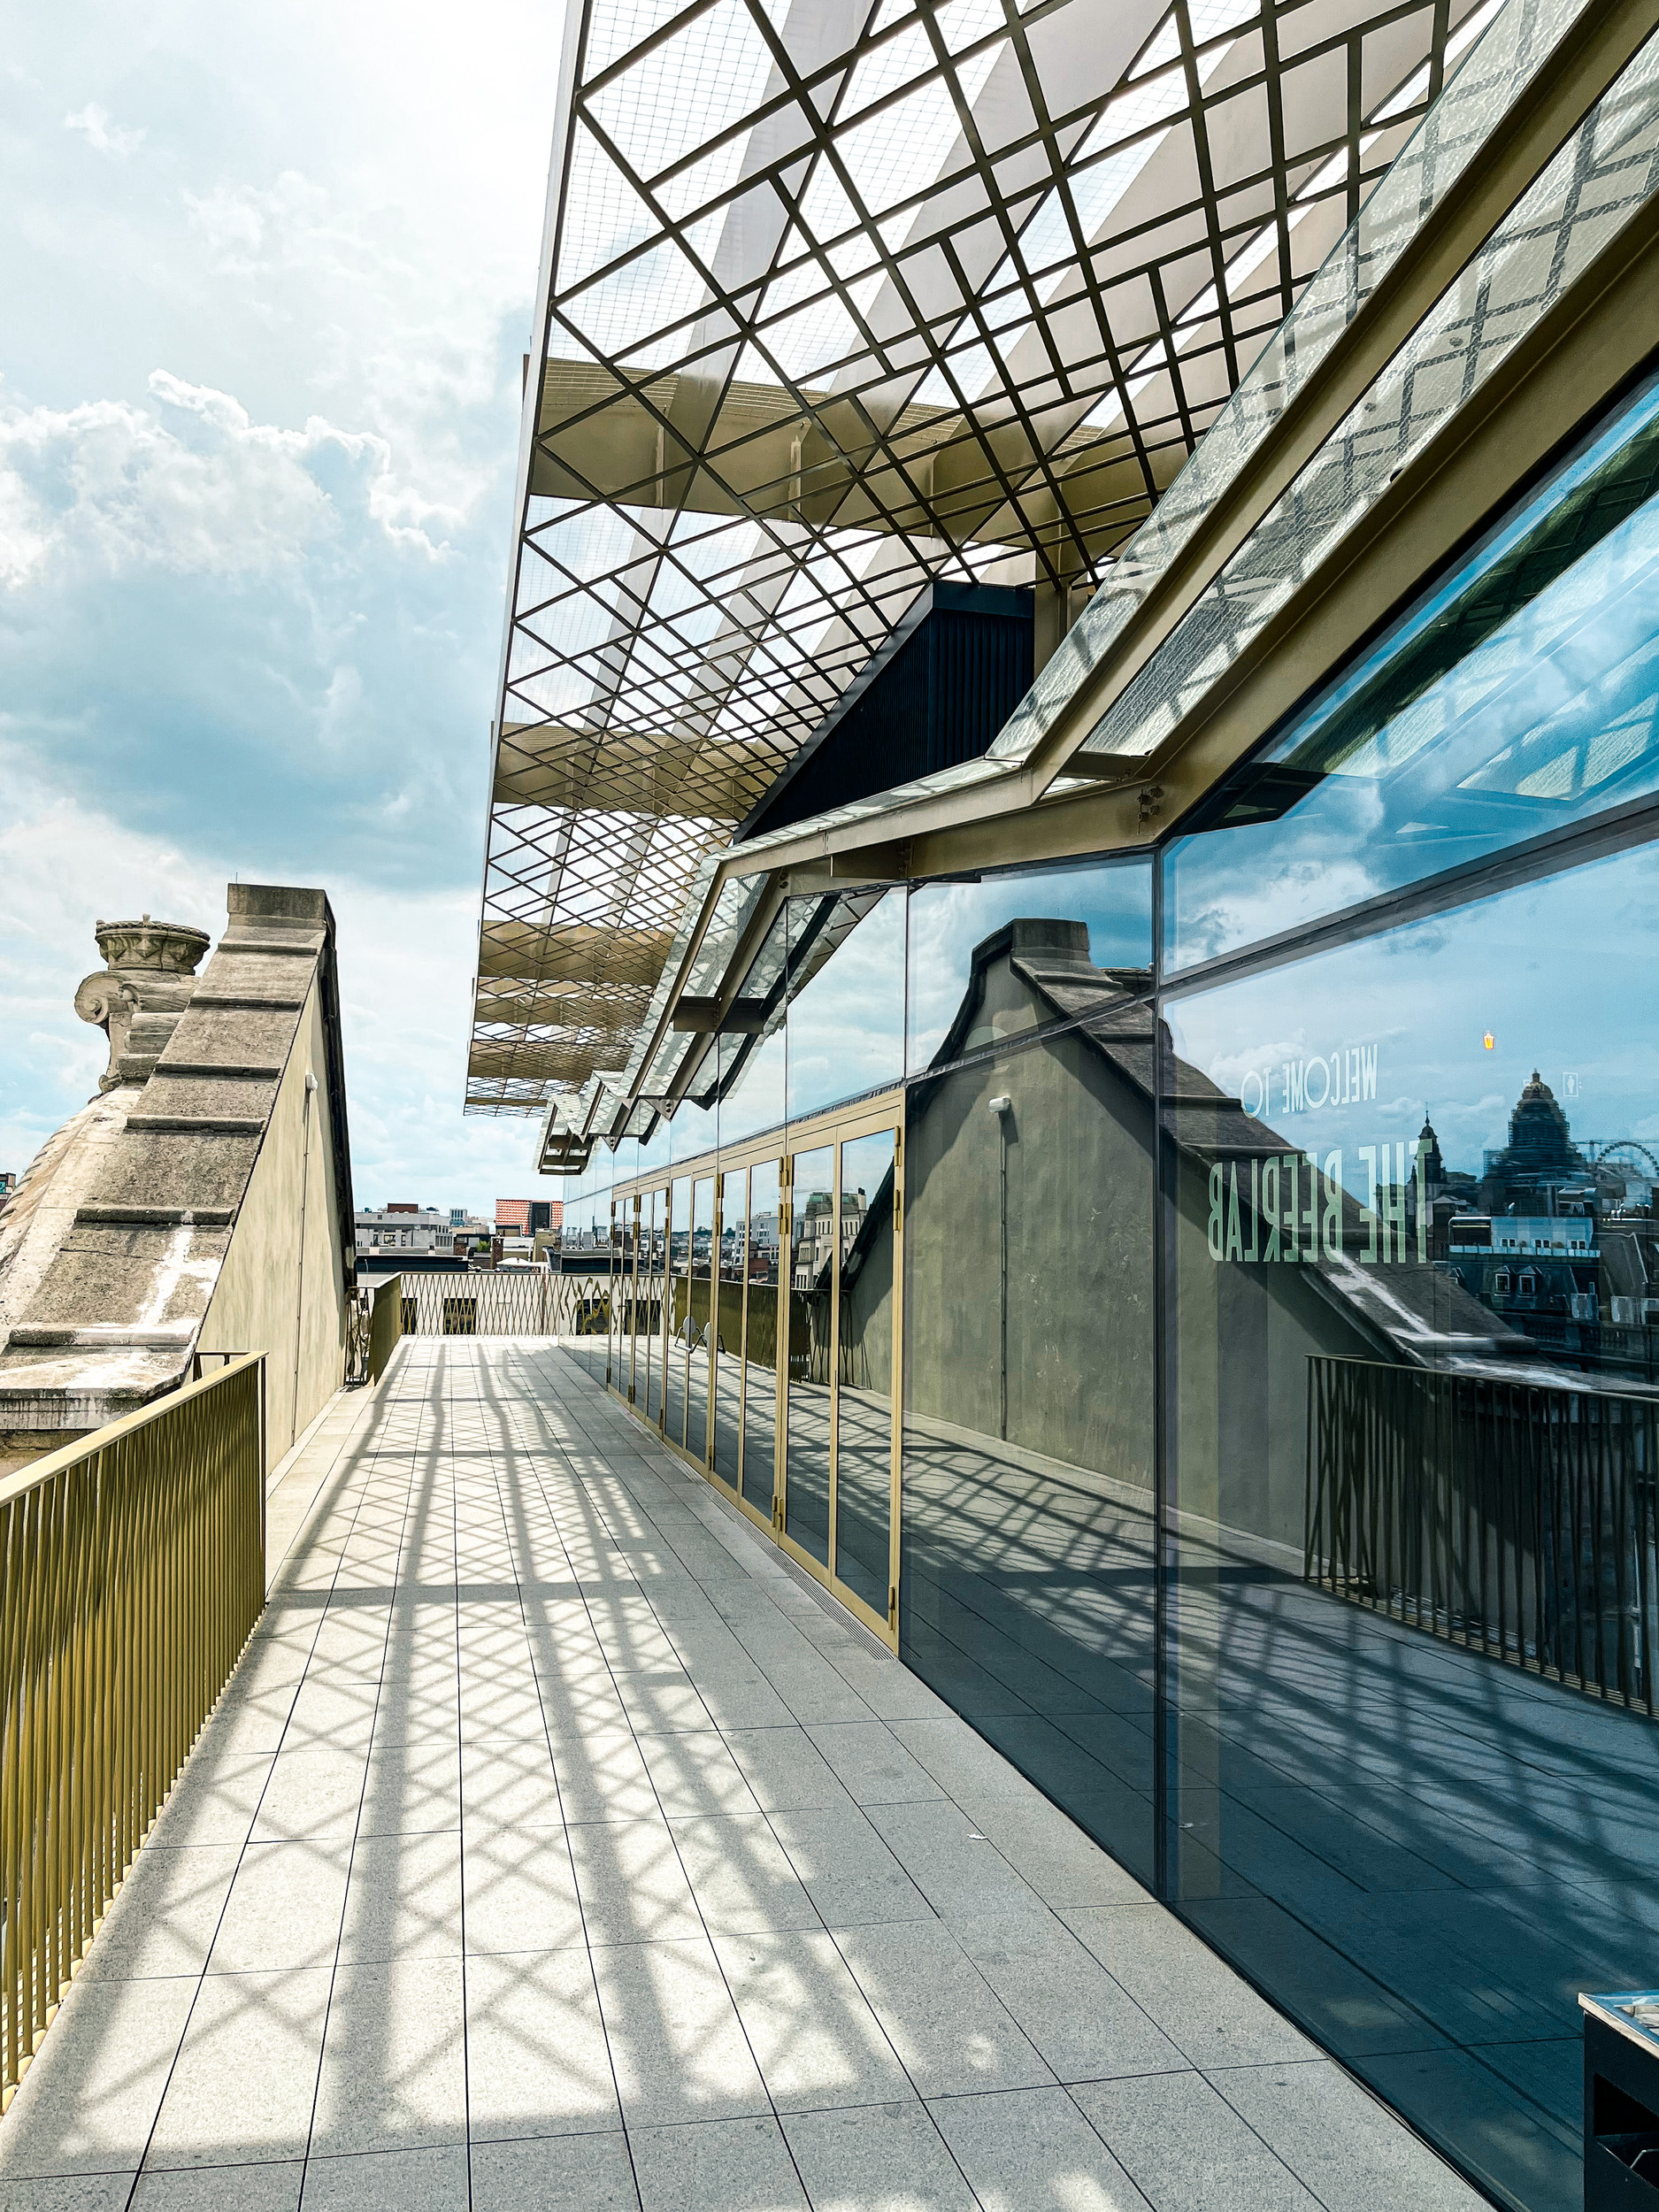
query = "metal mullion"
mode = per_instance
[
  {"x": 834, "y": 1344},
  {"x": 782, "y": 1332},
  {"x": 895, "y": 1370},
  {"x": 1199, "y": 127},
  {"x": 1275, "y": 153}
]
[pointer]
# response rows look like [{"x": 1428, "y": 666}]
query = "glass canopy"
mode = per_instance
[{"x": 842, "y": 297}]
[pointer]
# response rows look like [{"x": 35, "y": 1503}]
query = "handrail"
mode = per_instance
[
  {"x": 131, "y": 1570},
  {"x": 53, "y": 1462}
]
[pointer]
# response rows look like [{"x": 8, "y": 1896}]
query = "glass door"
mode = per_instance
[
  {"x": 653, "y": 1234},
  {"x": 635, "y": 1355},
  {"x": 679, "y": 1315},
  {"x": 760, "y": 1337},
  {"x": 726, "y": 1335},
  {"x": 763, "y": 1326},
  {"x": 699, "y": 1314},
  {"x": 862, "y": 1555},
  {"x": 810, "y": 1305}
]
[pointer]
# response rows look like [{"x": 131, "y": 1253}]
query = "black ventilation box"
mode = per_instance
[
  {"x": 948, "y": 675},
  {"x": 1621, "y": 2101}
]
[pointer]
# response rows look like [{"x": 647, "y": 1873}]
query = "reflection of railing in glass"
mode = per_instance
[{"x": 1512, "y": 1517}]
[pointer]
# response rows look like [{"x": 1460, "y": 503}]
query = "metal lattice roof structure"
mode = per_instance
[{"x": 839, "y": 297}]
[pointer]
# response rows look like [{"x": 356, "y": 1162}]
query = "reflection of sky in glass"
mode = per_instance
[
  {"x": 757, "y": 1102},
  {"x": 1550, "y": 718},
  {"x": 947, "y": 920},
  {"x": 845, "y": 1027},
  {"x": 1557, "y": 972}
]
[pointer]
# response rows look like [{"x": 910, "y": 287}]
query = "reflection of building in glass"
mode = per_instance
[
  {"x": 1268, "y": 1479},
  {"x": 1549, "y": 1240}
]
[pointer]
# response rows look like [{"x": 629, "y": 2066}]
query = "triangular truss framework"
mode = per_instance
[{"x": 844, "y": 296}]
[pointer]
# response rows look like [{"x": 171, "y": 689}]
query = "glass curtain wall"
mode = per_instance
[
  {"x": 1280, "y": 1343},
  {"x": 1026, "y": 1594},
  {"x": 1411, "y": 1150}
]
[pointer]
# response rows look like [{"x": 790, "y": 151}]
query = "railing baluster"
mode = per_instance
[
  {"x": 133, "y": 1571},
  {"x": 1519, "y": 1518}
]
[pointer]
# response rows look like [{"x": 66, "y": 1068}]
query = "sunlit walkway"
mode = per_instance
[{"x": 556, "y": 1844}]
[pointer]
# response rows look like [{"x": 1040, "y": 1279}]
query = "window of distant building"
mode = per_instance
[{"x": 1501, "y": 1283}]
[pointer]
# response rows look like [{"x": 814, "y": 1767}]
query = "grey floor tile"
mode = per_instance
[
  {"x": 695, "y": 1775},
  {"x": 393, "y": 2075},
  {"x": 412, "y": 1784},
  {"x": 1183, "y": 2145},
  {"x": 956, "y": 1868},
  {"x": 560, "y": 2173},
  {"x": 521, "y": 1892},
  {"x": 1351, "y": 2152},
  {"x": 1211, "y": 2016},
  {"x": 1030, "y": 2150},
  {"x": 214, "y": 1800},
  {"x": 242, "y": 2086},
  {"x": 817, "y": 2041},
  {"x": 952, "y": 2034},
  {"x": 716, "y": 2166},
  {"x": 676, "y": 2042},
  {"x": 88, "y": 2102},
  {"x": 740, "y": 1875},
  {"x": 602, "y": 1776},
  {"x": 872, "y": 1764},
  {"x": 847, "y": 1871},
  {"x": 538, "y": 2062},
  {"x": 509, "y": 1782},
  {"x": 272, "y": 2186},
  {"x": 814, "y": 1692},
  {"x": 333, "y": 1711},
  {"x": 1078, "y": 2019},
  {"x": 284, "y": 1907},
  {"x": 785, "y": 1769},
  {"x": 315, "y": 1792},
  {"x": 962, "y": 1763},
  {"x": 1062, "y": 1864},
  {"x": 632, "y": 1884},
  {"x": 166, "y": 1914},
  {"x": 661, "y": 1700},
  {"x": 67, "y": 2192},
  {"x": 404, "y": 1897},
  {"x": 386, "y": 2181},
  {"x": 741, "y": 1697},
  {"x": 884, "y": 2158}
]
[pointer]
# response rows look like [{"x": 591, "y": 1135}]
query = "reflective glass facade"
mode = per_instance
[{"x": 1271, "y": 1221}]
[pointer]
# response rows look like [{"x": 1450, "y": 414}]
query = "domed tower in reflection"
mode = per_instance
[{"x": 1540, "y": 1156}]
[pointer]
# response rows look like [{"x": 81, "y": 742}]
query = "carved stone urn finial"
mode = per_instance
[{"x": 139, "y": 994}]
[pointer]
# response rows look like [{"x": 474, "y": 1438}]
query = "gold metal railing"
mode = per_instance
[
  {"x": 513, "y": 1301},
  {"x": 132, "y": 1567}
]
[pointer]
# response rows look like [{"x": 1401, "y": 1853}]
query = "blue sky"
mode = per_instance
[{"x": 268, "y": 275}]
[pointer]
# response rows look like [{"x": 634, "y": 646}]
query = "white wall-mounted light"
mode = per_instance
[{"x": 1001, "y": 1106}]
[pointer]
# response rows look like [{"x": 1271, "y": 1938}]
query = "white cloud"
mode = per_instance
[
  {"x": 117, "y": 487},
  {"x": 256, "y": 451},
  {"x": 92, "y": 122}
]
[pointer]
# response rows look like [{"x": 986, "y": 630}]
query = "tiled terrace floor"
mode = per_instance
[{"x": 556, "y": 1844}]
